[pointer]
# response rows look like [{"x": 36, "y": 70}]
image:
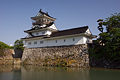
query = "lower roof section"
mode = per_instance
[{"x": 68, "y": 32}]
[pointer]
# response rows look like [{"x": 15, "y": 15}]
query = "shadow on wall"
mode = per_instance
[{"x": 18, "y": 53}]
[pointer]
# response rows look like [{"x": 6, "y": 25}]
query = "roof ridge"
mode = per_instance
[
  {"x": 46, "y": 13},
  {"x": 75, "y": 28}
]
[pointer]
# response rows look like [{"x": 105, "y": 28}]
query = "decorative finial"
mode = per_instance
[{"x": 40, "y": 10}]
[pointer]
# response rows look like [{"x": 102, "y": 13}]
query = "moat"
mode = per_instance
[{"x": 29, "y": 72}]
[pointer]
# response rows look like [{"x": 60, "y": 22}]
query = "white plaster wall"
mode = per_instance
[
  {"x": 48, "y": 33},
  {"x": 53, "y": 27},
  {"x": 41, "y": 33},
  {"x": 84, "y": 40},
  {"x": 88, "y": 31},
  {"x": 60, "y": 42}
]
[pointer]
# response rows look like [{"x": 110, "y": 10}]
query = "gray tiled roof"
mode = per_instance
[{"x": 66, "y": 32}]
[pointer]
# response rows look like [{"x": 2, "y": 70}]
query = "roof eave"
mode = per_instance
[
  {"x": 38, "y": 17},
  {"x": 74, "y": 35},
  {"x": 27, "y": 31}
]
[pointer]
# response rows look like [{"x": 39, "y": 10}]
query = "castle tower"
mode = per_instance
[
  {"x": 42, "y": 19},
  {"x": 45, "y": 34},
  {"x": 42, "y": 25}
]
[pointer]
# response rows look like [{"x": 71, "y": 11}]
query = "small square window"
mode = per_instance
[
  {"x": 73, "y": 39},
  {"x": 35, "y": 42},
  {"x": 37, "y": 33},
  {"x": 41, "y": 42},
  {"x": 56, "y": 41},
  {"x": 64, "y": 40},
  {"x": 43, "y": 32},
  {"x": 29, "y": 43}
]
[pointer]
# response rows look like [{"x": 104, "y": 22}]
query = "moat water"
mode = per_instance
[{"x": 56, "y": 73}]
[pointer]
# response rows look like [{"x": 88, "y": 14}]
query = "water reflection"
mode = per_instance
[
  {"x": 17, "y": 72},
  {"x": 10, "y": 72},
  {"x": 54, "y": 73},
  {"x": 104, "y": 74},
  {"x": 42, "y": 73}
]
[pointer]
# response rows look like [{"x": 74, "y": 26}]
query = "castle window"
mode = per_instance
[
  {"x": 56, "y": 41},
  {"x": 29, "y": 43},
  {"x": 41, "y": 42},
  {"x": 64, "y": 40},
  {"x": 35, "y": 42},
  {"x": 43, "y": 32},
  {"x": 37, "y": 33},
  {"x": 73, "y": 39}
]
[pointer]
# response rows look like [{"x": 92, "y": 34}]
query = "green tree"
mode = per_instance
[
  {"x": 108, "y": 43},
  {"x": 18, "y": 44},
  {"x": 3, "y": 46},
  {"x": 111, "y": 22},
  {"x": 100, "y": 25}
]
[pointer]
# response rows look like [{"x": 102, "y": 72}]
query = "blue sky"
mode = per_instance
[{"x": 15, "y": 15}]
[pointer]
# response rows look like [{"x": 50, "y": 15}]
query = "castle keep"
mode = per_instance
[
  {"x": 46, "y": 45},
  {"x": 45, "y": 34}
]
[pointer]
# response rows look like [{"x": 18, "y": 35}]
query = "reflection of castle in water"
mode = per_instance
[
  {"x": 54, "y": 73},
  {"x": 17, "y": 72},
  {"x": 43, "y": 73}
]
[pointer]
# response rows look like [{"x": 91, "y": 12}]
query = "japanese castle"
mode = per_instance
[{"x": 44, "y": 33}]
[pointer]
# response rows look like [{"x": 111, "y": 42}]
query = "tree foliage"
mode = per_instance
[
  {"x": 111, "y": 22},
  {"x": 108, "y": 43},
  {"x": 18, "y": 44},
  {"x": 100, "y": 27},
  {"x": 3, "y": 46},
  {"x": 112, "y": 34}
]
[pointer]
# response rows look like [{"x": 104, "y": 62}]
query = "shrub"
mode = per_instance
[{"x": 3, "y": 46}]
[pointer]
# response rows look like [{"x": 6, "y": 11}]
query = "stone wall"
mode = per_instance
[
  {"x": 70, "y": 56},
  {"x": 7, "y": 58}
]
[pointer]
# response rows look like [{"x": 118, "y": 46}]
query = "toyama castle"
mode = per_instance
[{"x": 44, "y": 33}]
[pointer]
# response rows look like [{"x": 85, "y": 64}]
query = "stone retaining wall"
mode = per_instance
[
  {"x": 7, "y": 58},
  {"x": 70, "y": 56}
]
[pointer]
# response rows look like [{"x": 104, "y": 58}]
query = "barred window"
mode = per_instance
[
  {"x": 56, "y": 41},
  {"x": 43, "y": 32},
  {"x": 73, "y": 39},
  {"x": 64, "y": 40},
  {"x": 37, "y": 33},
  {"x": 35, "y": 42},
  {"x": 41, "y": 42},
  {"x": 29, "y": 43}
]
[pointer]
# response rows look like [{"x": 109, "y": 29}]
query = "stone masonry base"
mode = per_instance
[{"x": 67, "y": 56}]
